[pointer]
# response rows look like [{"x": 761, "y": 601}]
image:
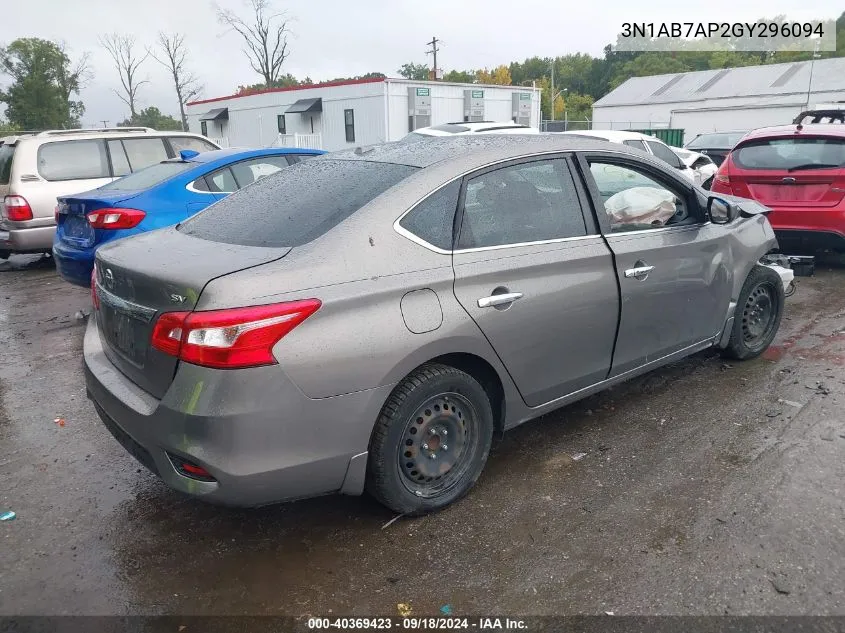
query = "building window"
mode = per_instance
[
  {"x": 204, "y": 128},
  {"x": 349, "y": 123},
  {"x": 280, "y": 123}
]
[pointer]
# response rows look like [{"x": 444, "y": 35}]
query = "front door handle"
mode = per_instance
[
  {"x": 498, "y": 300},
  {"x": 640, "y": 272}
]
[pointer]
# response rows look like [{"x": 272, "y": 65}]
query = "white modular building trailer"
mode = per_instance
[
  {"x": 722, "y": 100},
  {"x": 352, "y": 113}
]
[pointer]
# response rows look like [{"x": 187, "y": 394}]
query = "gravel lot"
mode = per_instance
[{"x": 707, "y": 488}]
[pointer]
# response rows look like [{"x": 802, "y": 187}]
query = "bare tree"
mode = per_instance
[
  {"x": 173, "y": 54},
  {"x": 127, "y": 61},
  {"x": 265, "y": 35},
  {"x": 72, "y": 77}
]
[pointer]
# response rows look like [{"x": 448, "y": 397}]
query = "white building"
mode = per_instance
[
  {"x": 344, "y": 114},
  {"x": 722, "y": 100}
]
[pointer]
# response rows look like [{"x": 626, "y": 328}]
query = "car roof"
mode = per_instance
[
  {"x": 468, "y": 127},
  {"x": 115, "y": 132},
  {"x": 245, "y": 152},
  {"x": 614, "y": 136},
  {"x": 470, "y": 151},
  {"x": 812, "y": 129}
]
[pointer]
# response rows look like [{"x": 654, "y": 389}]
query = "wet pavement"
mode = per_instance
[{"x": 706, "y": 488}]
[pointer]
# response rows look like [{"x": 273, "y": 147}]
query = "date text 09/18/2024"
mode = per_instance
[{"x": 418, "y": 624}]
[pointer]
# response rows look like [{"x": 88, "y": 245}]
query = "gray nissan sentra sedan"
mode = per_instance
[{"x": 367, "y": 320}]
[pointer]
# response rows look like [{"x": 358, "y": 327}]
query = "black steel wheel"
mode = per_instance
[
  {"x": 758, "y": 314},
  {"x": 431, "y": 440}
]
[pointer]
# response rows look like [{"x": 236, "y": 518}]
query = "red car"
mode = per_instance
[{"x": 799, "y": 172}]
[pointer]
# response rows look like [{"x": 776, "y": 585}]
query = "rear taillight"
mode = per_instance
[
  {"x": 94, "y": 298},
  {"x": 115, "y": 218},
  {"x": 17, "y": 208},
  {"x": 229, "y": 339}
]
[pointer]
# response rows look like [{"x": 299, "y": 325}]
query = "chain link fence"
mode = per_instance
[{"x": 548, "y": 125}]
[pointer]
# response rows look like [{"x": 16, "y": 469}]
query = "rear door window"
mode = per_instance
[
  {"x": 7, "y": 153},
  {"x": 636, "y": 145},
  {"x": 248, "y": 171},
  {"x": 664, "y": 153},
  {"x": 791, "y": 154},
  {"x": 221, "y": 181},
  {"x": 297, "y": 205},
  {"x": 73, "y": 160},
  {"x": 178, "y": 143},
  {"x": 526, "y": 202},
  {"x": 143, "y": 152},
  {"x": 119, "y": 162}
]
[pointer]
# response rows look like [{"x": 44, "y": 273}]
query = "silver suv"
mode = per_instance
[{"x": 37, "y": 168}]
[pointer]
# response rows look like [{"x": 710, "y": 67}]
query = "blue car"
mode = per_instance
[{"x": 155, "y": 197}]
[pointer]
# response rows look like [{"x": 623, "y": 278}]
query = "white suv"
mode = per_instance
[
  {"x": 37, "y": 168},
  {"x": 644, "y": 142}
]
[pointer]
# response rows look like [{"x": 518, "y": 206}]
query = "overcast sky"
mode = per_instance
[{"x": 333, "y": 38}]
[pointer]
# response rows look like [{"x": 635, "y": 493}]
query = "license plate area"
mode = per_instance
[
  {"x": 77, "y": 229},
  {"x": 125, "y": 334}
]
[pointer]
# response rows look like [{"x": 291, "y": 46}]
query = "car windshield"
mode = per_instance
[
  {"x": 295, "y": 205},
  {"x": 149, "y": 177},
  {"x": 791, "y": 153},
  {"x": 721, "y": 140}
]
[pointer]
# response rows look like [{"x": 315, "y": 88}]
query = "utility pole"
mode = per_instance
[
  {"x": 433, "y": 51},
  {"x": 816, "y": 55},
  {"x": 552, "y": 91}
]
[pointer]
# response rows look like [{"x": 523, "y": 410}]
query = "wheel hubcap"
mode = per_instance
[
  {"x": 758, "y": 314},
  {"x": 437, "y": 444}
]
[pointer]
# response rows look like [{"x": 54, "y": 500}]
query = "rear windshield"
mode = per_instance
[
  {"x": 724, "y": 140},
  {"x": 791, "y": 153},
  {"x": 149, "y": 177},
  {"x": 6, "y": 154},
  {"x": 295, "y": 205}
]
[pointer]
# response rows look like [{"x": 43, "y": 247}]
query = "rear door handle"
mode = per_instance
[
  {"x": 638, "y": 272},
  {"x": 497, "y": 300}
]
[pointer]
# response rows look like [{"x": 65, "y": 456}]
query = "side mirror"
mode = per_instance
[{"x": 721, "y": 211}]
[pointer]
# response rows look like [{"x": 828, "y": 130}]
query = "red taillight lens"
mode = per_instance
[
  {"x": 94, "y": 298},
  {"x": 229, "y": 339},
  {"x": 115, "y": 218},
  {"x": 167, "y": 332},
  {"x": 17, "y": 208},
  {"x": 723, "y": 179}
]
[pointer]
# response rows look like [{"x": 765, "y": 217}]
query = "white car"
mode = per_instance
[
  {"x": 702, "y": 165},
  {"x": 473, "y": 127},
  {"x": 644, "y": 142},
  {"x": 35, "y": 169}
]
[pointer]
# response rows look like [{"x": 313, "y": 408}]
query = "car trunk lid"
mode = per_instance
[
  {"x": 72, "y": 215},
  {"x": 134, "y": 289}
]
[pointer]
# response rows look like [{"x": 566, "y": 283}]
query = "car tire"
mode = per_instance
[
  {"x": 5, "y": 254},
  {"x": 758, "y": 314},
  {"x": 431, "y": 440}
]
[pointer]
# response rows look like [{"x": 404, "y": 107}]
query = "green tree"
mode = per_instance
[
  {"x": 153, "y": 117},
  {"x": 411, "y": 70},
  {"x": 651, "y": 63},
  {"x": 43, "y": 81},
  {"x": 460, "y": 76}
]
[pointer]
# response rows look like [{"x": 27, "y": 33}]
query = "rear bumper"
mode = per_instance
[
  {"x": 795, "y": 242},
  {"x": 809, "y": 230},
  {"x": 32, "y": 240},
  {"x": 74, "y": 265},
  {"x": 261, "y": 439}
]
